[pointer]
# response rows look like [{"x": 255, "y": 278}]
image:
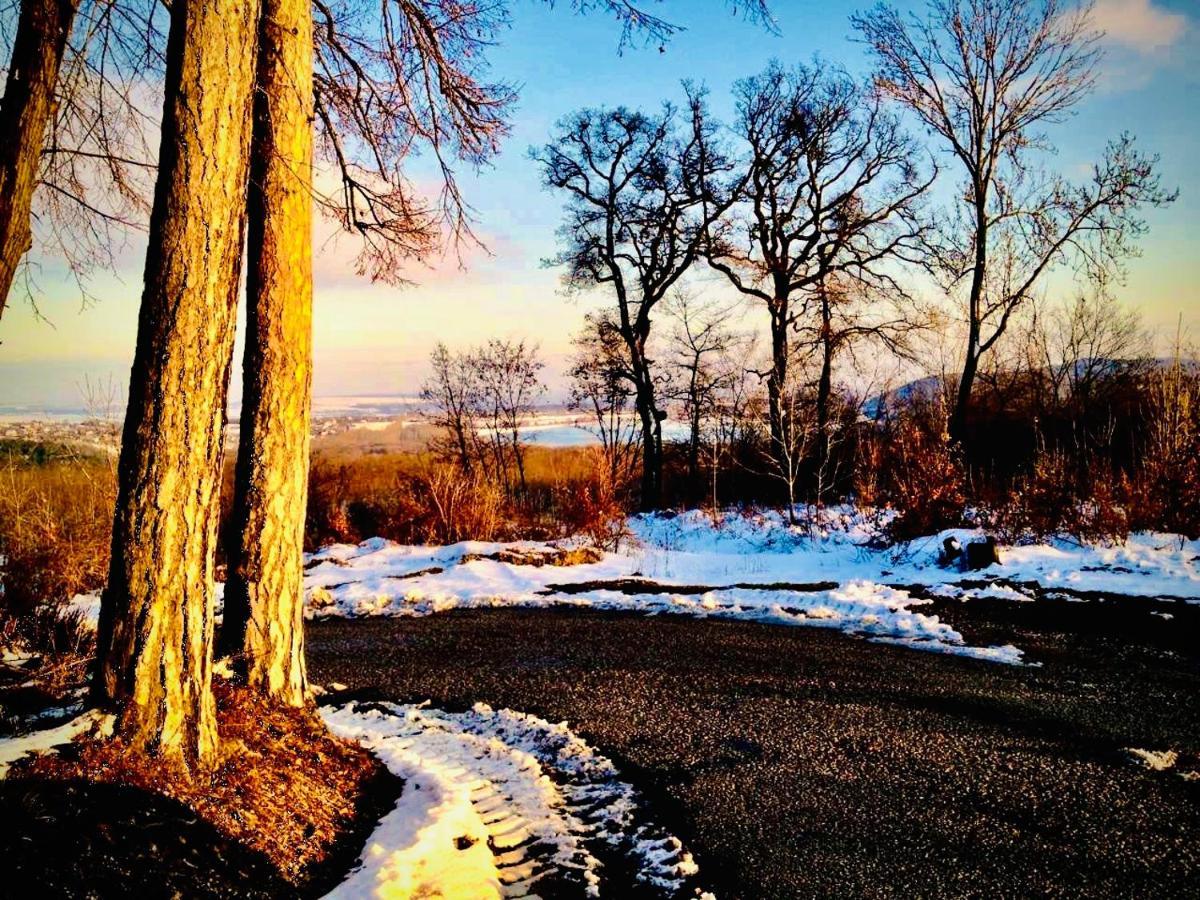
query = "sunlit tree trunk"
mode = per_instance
[
  {"x": 25, "y": 111},
  {"x": 155, "y": 638},
  {"x": 264, "y": 597}
]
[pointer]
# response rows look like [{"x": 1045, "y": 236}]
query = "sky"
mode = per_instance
[{"x": 375, "y": 339}]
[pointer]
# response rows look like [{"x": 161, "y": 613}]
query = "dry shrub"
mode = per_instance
[
  {"x": 55, "y": 526},
  {"x": 353, "y": 497},
  {"x": 1063, "y": 496},
  {"x": 283, "y": 785},
  {"x": 923, "y": 479},
  {"x": 869, "y": 457},
  {"x": 592, "y": 506},
  {"x": 61, "y": 643},
  {"x": 1164, "y": 490},
  {"x": 461, "y": 506}
]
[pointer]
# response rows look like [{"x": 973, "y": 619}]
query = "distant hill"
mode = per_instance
[{"x": 927, "y": 388}]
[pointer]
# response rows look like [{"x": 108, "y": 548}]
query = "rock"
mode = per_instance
[
  {"x": 951, "y": 551},
  {"x": 981, "y": 554}
]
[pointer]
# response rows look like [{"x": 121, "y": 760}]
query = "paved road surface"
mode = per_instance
[{"x": 799, "y": 762}]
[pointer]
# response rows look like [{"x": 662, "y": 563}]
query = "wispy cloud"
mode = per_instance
[{"x": 1139, "y": 25}]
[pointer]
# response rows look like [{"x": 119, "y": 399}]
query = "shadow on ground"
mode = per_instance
[{"x": 83, "y": 839}]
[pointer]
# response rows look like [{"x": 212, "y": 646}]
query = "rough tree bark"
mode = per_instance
[
  {"x": 264, "y": 597},
  {"x": 25, "y": 110},
  {"x": 154, "y": 646}
]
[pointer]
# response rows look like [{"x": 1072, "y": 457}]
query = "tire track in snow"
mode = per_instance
[{"x": 553, "y": 814}]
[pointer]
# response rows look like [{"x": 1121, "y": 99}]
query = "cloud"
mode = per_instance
[{"x": 1138, "y": 24}]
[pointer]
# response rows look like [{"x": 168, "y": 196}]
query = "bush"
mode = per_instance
[
  {"x": 55, "y": 526},
  {"x": 923, "y": 478},
  {"x": 459, "y": 506},
  {"x": 1164, "y": 490},
  {"x": 591, "y": 506},
  {"x": 1061, "y": 496}
]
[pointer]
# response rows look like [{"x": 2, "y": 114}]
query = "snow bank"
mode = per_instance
[
  {"x": 827, "y": 572},
  {"x": 832, "y": 544},
  {"x": 498, "y": 803}
]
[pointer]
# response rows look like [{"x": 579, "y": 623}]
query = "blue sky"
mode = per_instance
[{"x": 375, "y": 339}]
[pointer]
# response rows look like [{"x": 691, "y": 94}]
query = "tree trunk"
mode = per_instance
[
  {"x": 651, "y": 445},
  {"x": 519, "y": 456},
  {"x": 264, "y": 597},
  {"x": 25, "y": 111},
  {"x": 694, "y": 429},
  {"x": 962, "y": 401},
  {"x": 777, "y": 380},
  {"x": 958, "y": 419},
  {"x": 154, "y": 646},
  {"x": 776, "y": 387},
  {"x": 824, "y": 394}
]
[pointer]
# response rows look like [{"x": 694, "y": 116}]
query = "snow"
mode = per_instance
[
  {"x": 1156, "y": 760},
  {"x": 45, "y": 739},
  {"x": 495, "y": 802},
  {"x": 829, "y": 572},
  {"x": 823, "y": 573}
]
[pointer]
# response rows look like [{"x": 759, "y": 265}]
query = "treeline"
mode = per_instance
[
  {"x": 1076, "y": 429},
  {"x": 816, "y": 206}
]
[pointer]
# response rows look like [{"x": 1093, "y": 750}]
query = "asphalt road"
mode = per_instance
[{"x": 800, "y": 762}]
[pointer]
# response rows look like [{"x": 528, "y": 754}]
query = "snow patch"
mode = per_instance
[
  {"x": 47, "y": 739},
  {"x": 1157, "y": 760},
  {"x": 500, "y": 803}
]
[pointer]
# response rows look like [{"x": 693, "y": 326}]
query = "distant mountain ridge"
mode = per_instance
[{"x": 927, "y": 388}]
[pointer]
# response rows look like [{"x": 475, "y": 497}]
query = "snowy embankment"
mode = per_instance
[
  {"x": 501, "y": 804},
  {"x": 826, "y": 573},
  {"x": 754, "y": 567}
]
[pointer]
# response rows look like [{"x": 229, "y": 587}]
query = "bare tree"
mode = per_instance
[
  {"x": 788, "y": 450},
  {"x": 509, "y": 381},
  {"x": 726, "y": 429},
  {"x": 849, "y": 316},
  {"x": 1090, "y": 340},
  {"x": 77, "y": 105},
  {"x": 600, "y": 389},
  {"x": 701, "y": 343},
  {"x": 640, "y": 198},
  {"x": 25, "y": 113},
  {"x": 638, "y": 23},
  {"x": 452, "y": 389},
  {"x": 395, "y": 77},
  {"x": 829, "y": 186},
  {"x": 154, "y": 643},
  {"x": 985, "y": 76}
]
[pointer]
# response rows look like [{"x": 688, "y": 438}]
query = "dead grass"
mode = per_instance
[
  {"x": 283, "y": 786},
  {"x": 55, "y": 522},
  {"x": 414, "y": 498}
]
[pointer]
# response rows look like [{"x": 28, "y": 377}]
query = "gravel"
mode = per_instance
[{"x": 799, "y": 762}]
